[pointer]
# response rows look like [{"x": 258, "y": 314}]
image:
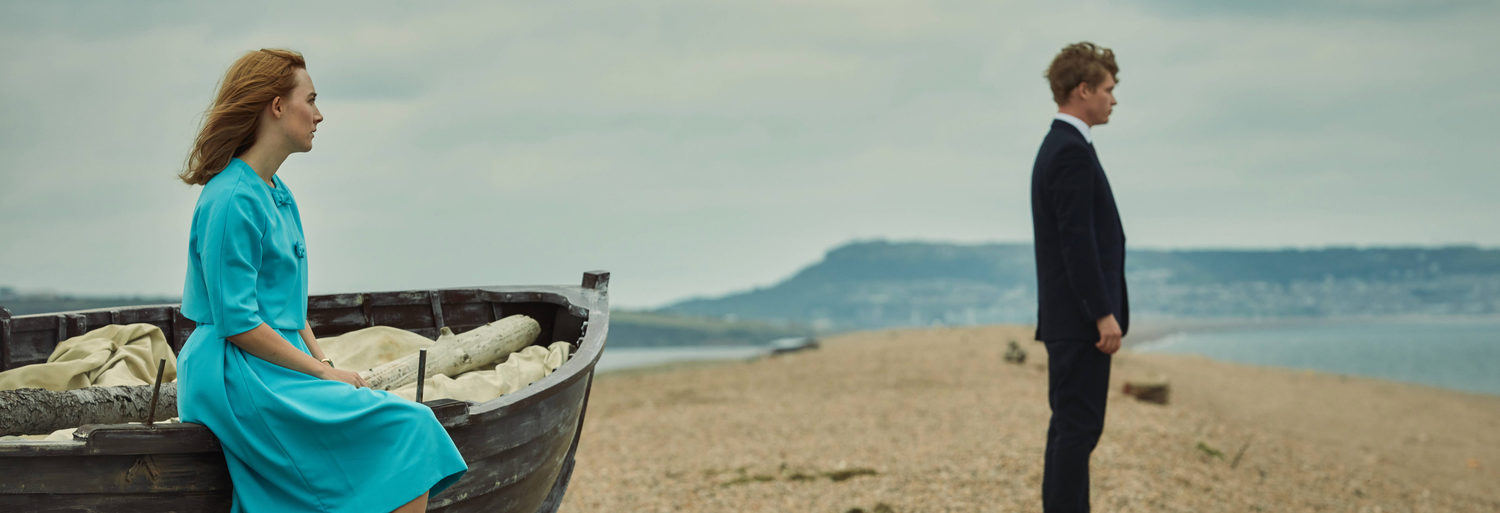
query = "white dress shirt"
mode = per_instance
[{"x": 1082, "y": 127}]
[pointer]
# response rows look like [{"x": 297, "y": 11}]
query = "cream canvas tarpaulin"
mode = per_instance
[
  {"x": 108, "y": 356},
  {"x": 522, "y": 368}
]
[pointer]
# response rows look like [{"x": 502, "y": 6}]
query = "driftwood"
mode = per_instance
[
  {"x": 39, "y": 411},
  {"x": 1014, "y": 353},
  {"x": 1152, "y": 390},
  {"x": 476, "y": 348}
]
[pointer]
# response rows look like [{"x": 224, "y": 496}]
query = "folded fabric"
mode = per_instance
[
  {"x": 365, "y": 349},
  {"x": 368, "y": 348},
  {"x": 108, "y": 356},
  {"x": 521, "y": 368}
]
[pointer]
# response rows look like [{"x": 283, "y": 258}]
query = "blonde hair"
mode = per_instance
[
  {"x": 1080, "y": 63},
  {"x": 229, "y": 127}
]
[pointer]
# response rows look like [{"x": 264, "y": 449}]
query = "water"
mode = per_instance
[
  {"x": 615, "y": 359},
  {"x": 1458, "y": 354}
]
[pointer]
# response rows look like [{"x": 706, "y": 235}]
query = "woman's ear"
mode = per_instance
[{"x": 276, "y": 107}]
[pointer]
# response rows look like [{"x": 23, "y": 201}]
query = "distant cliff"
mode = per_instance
[{"x": 881, "y": 284}]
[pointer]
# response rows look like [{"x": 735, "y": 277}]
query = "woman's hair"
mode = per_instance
[
  {"x": 1080, "y": 63},
  {"x": 229, "y": 127}
]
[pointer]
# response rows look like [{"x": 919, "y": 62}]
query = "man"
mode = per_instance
[{"x": 1082, "y": 306}]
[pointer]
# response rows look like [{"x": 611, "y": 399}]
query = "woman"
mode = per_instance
[{"x": 298, "y": 434}]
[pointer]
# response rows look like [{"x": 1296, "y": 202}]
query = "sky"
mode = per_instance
[{"x": 698, "y": 148}]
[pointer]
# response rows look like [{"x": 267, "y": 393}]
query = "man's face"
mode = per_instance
[{"x": 1098, "y": 102}]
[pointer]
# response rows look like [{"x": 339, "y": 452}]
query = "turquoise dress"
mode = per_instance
[{"x": 293, "y": 442}]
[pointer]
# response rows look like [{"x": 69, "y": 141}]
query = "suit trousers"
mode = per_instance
[{"x": 1078, "y": 385}]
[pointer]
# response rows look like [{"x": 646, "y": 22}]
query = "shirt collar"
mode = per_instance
[{"x": 1082, "y": 127}]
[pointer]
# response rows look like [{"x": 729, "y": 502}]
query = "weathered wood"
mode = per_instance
[
  {"x": 1014, "y": 353},
  {"x": 531, "y": 424},
  {"x": 155, "y": 393},
  {"x": 507, "y": 482},
  {"x": 480, "y": 347},
  {"x": 35, "y": 411},
  {"x": 198, "y": 502},
  {"x": 138, "y": 473},
  {"x": 177, "y": 437},
  {"x": 4, "y": 338},
  {"x": 1151, "y": 390},
  {"x": 596, "y": 280},
  {"x": 524, "y": 426}
]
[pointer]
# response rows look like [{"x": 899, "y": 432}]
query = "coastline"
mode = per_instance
[
  {"x": 1152, "y": 329},
  {"x": 934, "y": 420}
]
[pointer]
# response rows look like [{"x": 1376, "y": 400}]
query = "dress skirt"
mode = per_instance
[{"x": 297, "y": 443}]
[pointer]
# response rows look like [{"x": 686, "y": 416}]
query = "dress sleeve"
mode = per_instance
[{"x": 231, "y": 263}]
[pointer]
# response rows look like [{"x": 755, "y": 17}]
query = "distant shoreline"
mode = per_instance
[{"x": 1149, "y": 330}]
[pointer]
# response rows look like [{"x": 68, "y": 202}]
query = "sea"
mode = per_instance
[{"x": 1454, "y": 353}]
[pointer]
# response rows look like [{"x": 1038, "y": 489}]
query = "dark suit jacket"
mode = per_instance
[{"x": 1080, "y": 243}]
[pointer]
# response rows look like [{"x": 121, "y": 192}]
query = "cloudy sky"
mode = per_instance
[{"x": 698, "y": 148}]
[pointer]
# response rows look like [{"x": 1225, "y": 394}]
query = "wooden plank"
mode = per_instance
[
  {"x": 467, "y": 314},
  {"x": 596, "y": 281},
  {"x": 12, "y": 452},
  {"x": 401, "y": 298},
  {"x": 461, "y": 296},
  {"x": 437, "y": 308},
  {"x": 77, "y": 326},
  {"x": 542, "y": 312},
  {"x": 118, "y": 474},
  {"x": 337, "y": 321},
  {"x": 567, "y": 327},
  {"x": 499, "y": 430},
  {"x": 406, "y": 317},
  {"x": 148, "y": 314},
  {"x": 328, "y": 301},
  {"x": 170, "y": 330},
  {"x": 184, "y": 437},
  {"x": 497, "y": 310},
  {"x": 122, "y": 503},
  {"x": 4, "y": 338},
  {"x": 426, "y": 332},
  {"x": 28, "y": 347},
  {"x": 368, "y": 309},
  {"x": 524, "y": 473},
  {"x": 560, "y": 485},
  {"x": 449, "y": 412},
  {"x": 182, "y": 329}
]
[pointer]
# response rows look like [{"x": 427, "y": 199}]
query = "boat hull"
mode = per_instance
[{"x": 519, "y": 447}]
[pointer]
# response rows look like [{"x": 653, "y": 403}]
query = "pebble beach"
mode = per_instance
[{"x": 935, "y": 420}]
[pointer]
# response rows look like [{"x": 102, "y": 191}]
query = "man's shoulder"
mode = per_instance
[
  {"x": 1064, "y": 134},
  {"x": 1063, "y": 139}
]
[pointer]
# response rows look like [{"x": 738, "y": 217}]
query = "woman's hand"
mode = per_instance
[{"x": 350, "y": 377}]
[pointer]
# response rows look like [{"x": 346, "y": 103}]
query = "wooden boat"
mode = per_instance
[{"x": 519, "y": 446}]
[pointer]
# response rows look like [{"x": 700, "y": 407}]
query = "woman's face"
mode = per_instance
[{"x": 299, "y": 113}]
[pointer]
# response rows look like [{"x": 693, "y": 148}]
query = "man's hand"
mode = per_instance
[{"x": 1109, "y": 335}]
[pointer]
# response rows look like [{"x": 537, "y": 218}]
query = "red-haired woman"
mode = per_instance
[{"x": 298, "y": 434}]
